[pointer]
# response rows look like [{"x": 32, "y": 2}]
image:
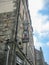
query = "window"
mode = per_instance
[{"x": 19, "y": 43}]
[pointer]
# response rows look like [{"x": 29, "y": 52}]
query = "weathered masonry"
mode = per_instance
[{"x": 16, "y": 38}]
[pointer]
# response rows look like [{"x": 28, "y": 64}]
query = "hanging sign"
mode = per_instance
[{"x": 25, "y": 36}]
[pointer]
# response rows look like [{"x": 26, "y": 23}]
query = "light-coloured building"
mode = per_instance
[{"x": 18, "y": 19}]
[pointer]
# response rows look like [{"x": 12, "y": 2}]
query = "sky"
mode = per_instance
[{"x": 39, "y": 12}]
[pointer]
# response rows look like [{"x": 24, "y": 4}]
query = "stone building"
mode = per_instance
[
  {"x": 16, "y": 25},
  {"x": 46, "y": 63},
  {"x": 39, "y": 58}
]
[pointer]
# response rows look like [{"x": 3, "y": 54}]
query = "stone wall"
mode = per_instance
[{"x": 7, "y": 25}]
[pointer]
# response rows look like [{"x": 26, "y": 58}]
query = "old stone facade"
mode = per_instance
[
  {"x": 6, "y": 27},
  {"x": 8, "y": 22},
  {"x": 39, "y": 58}
]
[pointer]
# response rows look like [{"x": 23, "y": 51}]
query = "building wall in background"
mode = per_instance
[{"x": 39, "y": 58}]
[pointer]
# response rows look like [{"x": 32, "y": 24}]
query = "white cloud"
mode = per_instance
[
  {"x": 47, "y": 43},
  {"x": 46, "y": 26},
  {"x": 37, "y": 43},
  {"x": 37, "y": 23},
  {"x": 34, "y": 6},
  {"x": 38, "y": 20}
]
